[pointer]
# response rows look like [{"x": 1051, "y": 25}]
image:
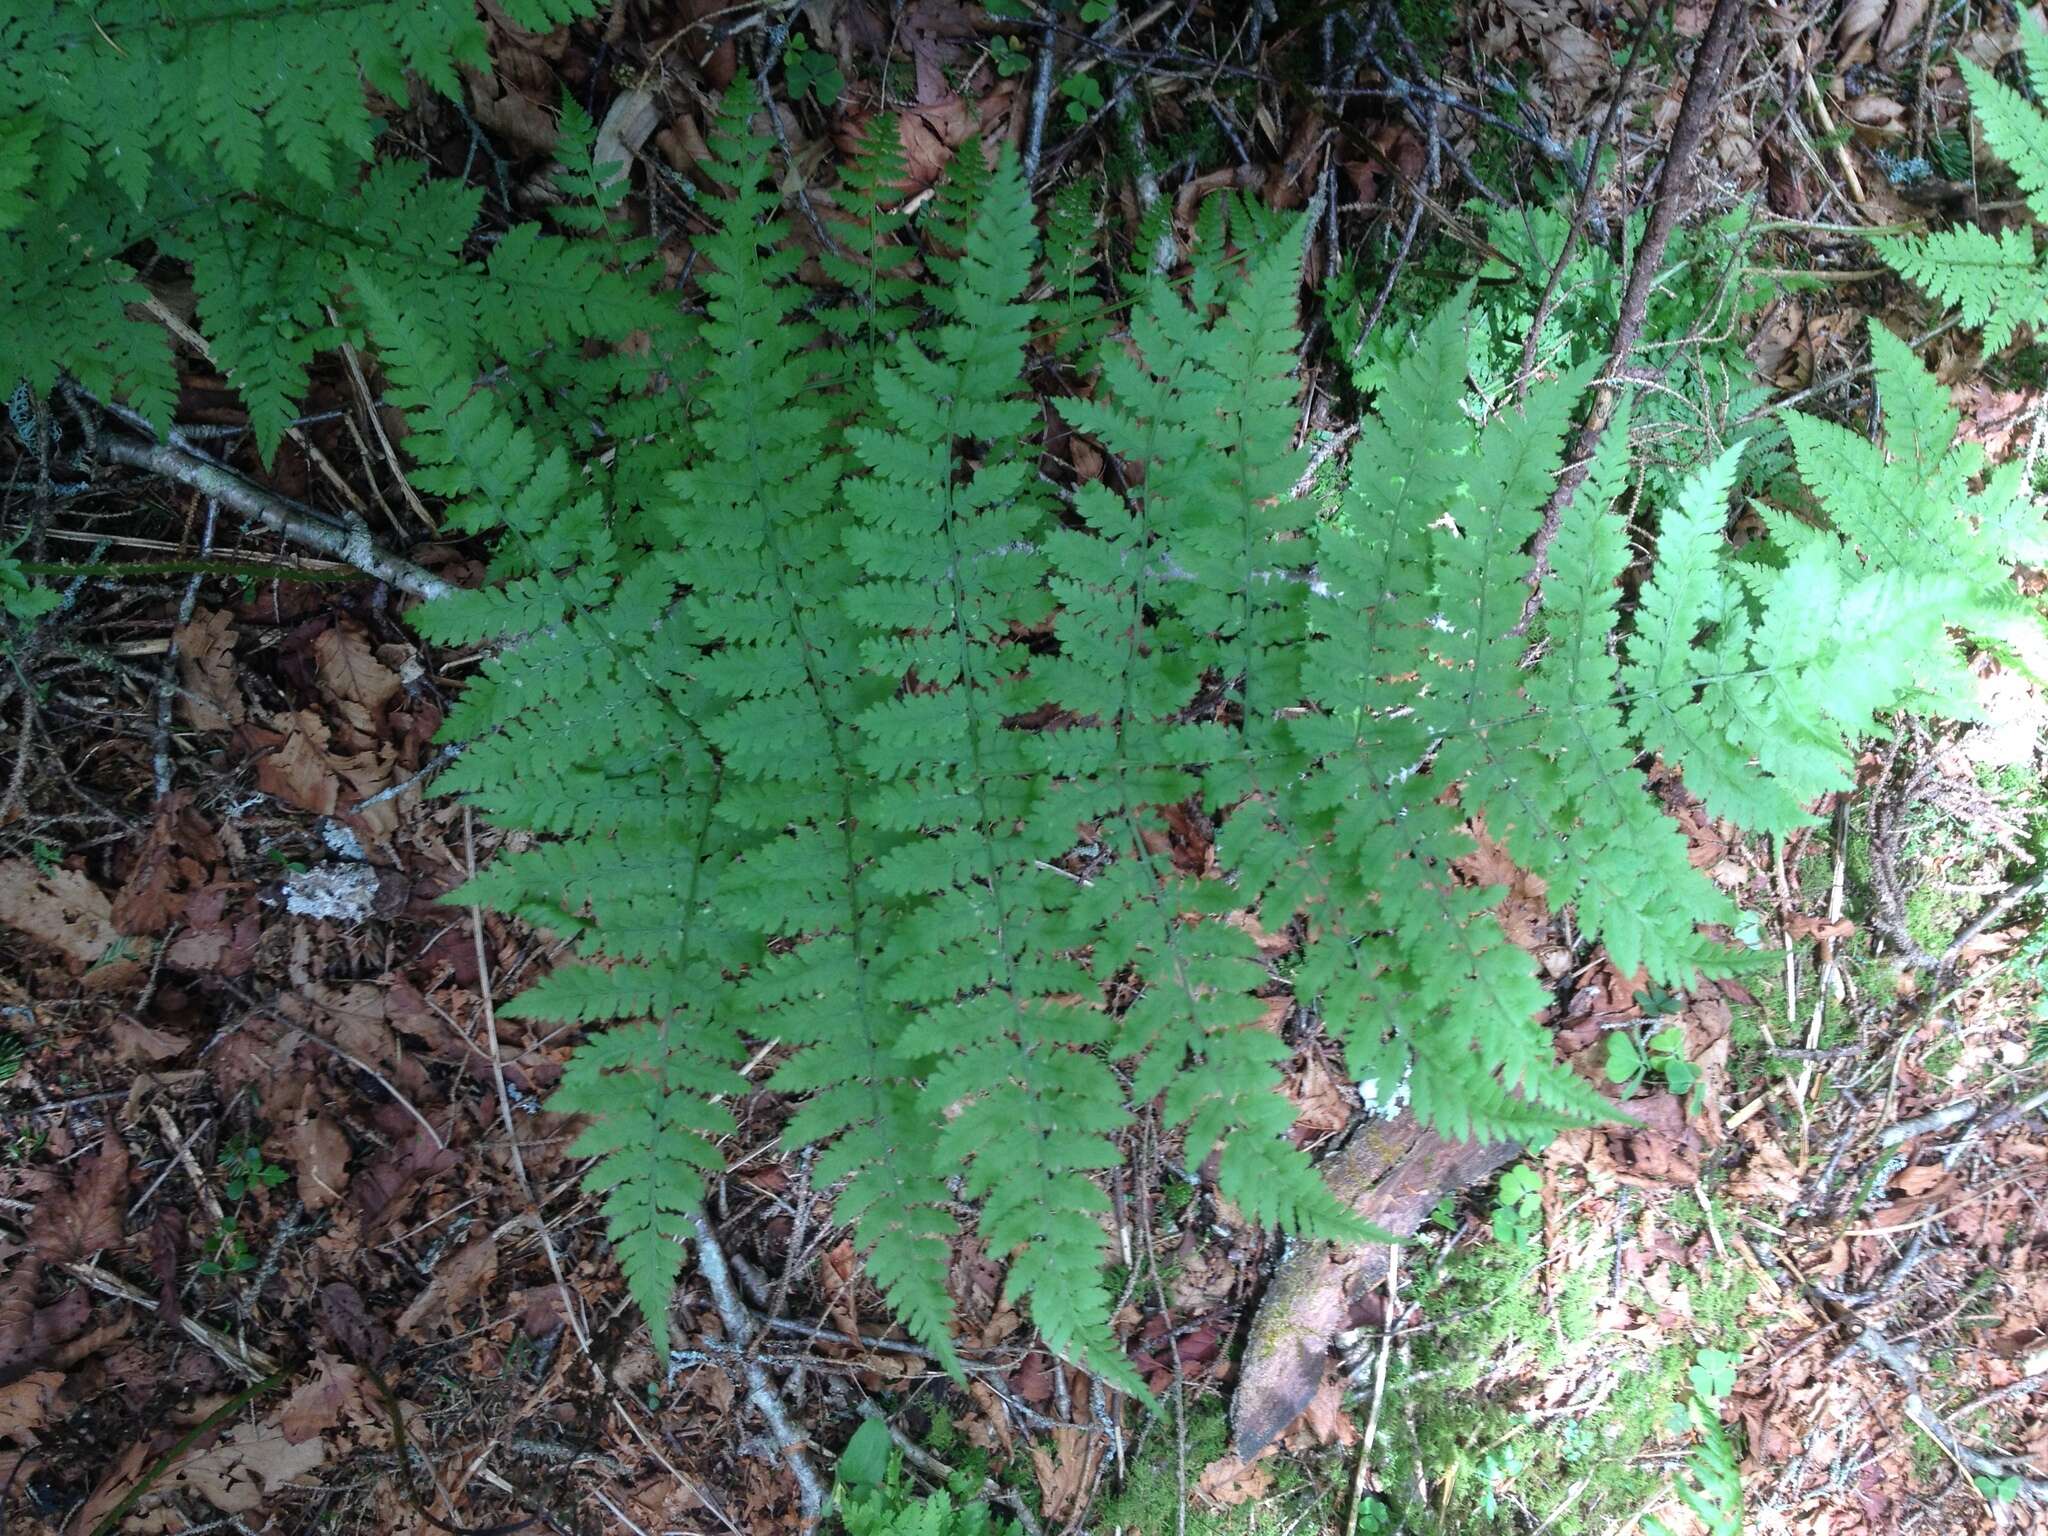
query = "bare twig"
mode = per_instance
[
  {"x": 1041, "y": 103},
  {"x": 1702, "y": 98},
  {"x": 166, "y": 683},
  {"x": 302, "y": 525},
  {"x": 1379, "y": 1389},
  {"x": 1589, "y": 187},
  {"x": 245, "y": 1360},
  {"x": 1430, "y": 169},
  {"x": 732, "y": 1312}
]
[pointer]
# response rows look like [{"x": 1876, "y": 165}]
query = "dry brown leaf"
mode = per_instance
[
  {"x": 1065, "y": 1473},
  {"x": 176, "y": 858},
  {"x": 457, "y": 1280},
  {"x": 346, "y": 667},
  {"x": 839, "y": 1267},
  {"x": 340, "y": 1390},
  {"x": 251, "y": 1462},
  {"x": 1879, "y": 29},
  {"x": 297, "y": 770},
  {"x": 25, "y": 1405},
  {"x": 85, "y": 1217},
  {"x": 137, "y": 1042},
  {"x": 1784, "y": 358},
  {"x": 1856, "y": 32},
  {"x": 112, "y": 1488},
  {"x": 1767, "y": 1177},
  {"x": 1324, "y": 1421},
  {"x": 210, "y": 698},
  {"x": 28, "y": 1333},
  {"x": 1877, "y": 119},
  {"x": 319, "y": 1154},
  {"x": 1227, "y": 1480},
  {"x": 61, "y": 909},
  {"x": 1318, "y": 1099}
]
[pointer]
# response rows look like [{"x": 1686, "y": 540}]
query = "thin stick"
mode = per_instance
[
  {"x": 165, "y": 684},
  {"x": 1702, "y": 99},
  {"x": 300, "y": 524},
  {"x": 363, "y": 1066},
  {"x": 1379, "y": 1388},
  {"x": 1041, "y": 103},
  {"x": 1589, "y": 185},
  {"x": 732, "y": 1312}
]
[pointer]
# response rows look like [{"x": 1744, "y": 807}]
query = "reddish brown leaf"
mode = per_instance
[
  {"x": 209, "y": 699},
  {"x": 60, "y": 909},
  {"x": 85, "y": 1217}
]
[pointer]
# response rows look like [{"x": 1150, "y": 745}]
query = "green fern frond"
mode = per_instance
[{"x": 1998, "y": 282}]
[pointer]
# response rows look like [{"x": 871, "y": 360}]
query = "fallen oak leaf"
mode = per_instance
[
  {"x": 59, "y": 909},
  {"x": 85, "y": 1217},
  {"x": 457, "y": 1279}
]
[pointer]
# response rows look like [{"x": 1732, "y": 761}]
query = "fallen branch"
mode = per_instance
[
  {"x": 1702, "y": 100},
  {"x": 739, "y": 1328},
  {"x": 302, "y": 525}
]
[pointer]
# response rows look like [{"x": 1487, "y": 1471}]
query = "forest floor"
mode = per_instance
[{"x": 260, "y": 1125}]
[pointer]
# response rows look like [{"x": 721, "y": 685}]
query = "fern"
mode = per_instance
[
  {"x": 237, "y": 142},
  {"x": 1713, "y": 1489},
  {"x": 828, "y": 722},
  {"x": 1998, "y": 282},
  {"x": 864, "y": 741}
]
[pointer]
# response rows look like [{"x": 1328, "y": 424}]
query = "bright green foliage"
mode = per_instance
[
  {"x": 827, "y": 719},
  {"x": 874, "y": 1497},
  {"x": 1713, "y": 1486},
  {"x": 235, "y": 139},
  {"x": 1693, "y": 327},
  {"x": 857, "y": 734},
  {"x": 1998, "y": 282}
]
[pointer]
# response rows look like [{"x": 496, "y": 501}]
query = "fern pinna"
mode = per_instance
[
  {"x": 1997, "y": 282},
  {"x": 864, "y": 737}
]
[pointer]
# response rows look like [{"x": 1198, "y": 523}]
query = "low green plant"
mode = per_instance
[
  {"x": 1996, "y": 282},
  {"x": 873, "y": 1497},
  {"x": 1694, "y": 324},
  {"x": 1491, "y": 1328},
  {"x": 227, "y": 1251},
  {"x": 243, "y": 1168},
  {"x": 1518, "y": 1207},
  {"x": 1083, "y": 95},
  {"x": 1635, "y": 1055},
  {"x": 811, "y": 72}
]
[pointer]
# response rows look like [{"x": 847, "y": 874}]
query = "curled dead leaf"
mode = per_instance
[{"x": 1229, "y": 1480}]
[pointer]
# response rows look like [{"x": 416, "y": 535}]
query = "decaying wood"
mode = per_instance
[{"x": 1392, "y": 1173}]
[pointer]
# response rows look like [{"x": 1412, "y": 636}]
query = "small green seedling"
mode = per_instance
[
  {"x": 1009, "y": 56},
  {"x": 1999, "y": 1490},
  {"x": 874, "y": 1498},
  {"x": 243, "y": 1163},
  {"x": 1518, "y": 1213},
  {"x": 1083, "y": 97},
  {"x": 1631, "y": 1062},
  {"x": 226, "y": 1253},
  {"x": 1712, "y": 1375},
  {"x": 811, "y": 72}
]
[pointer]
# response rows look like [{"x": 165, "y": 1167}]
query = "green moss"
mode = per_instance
[
  {"x": 1150, "y": 1496},
  {"x": 1510, "y": 1469}
]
